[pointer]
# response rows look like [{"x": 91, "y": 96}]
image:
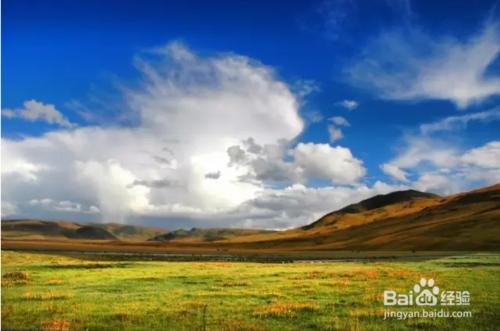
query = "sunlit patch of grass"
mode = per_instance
[
  {"x": 149, "y": 295},
  {"x": 238, "y": 325},
  {"x": 342, "y": 281},
  {"x": 368, "y": 274},
  {"x": 400, "y": 273},
  {"x": 55, "y": 281},
  {"x": 284, "y": 309},
  {"x": 56, "y": 325}
]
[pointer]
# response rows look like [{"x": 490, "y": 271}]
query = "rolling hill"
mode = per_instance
[
  {"x": 405, "y": 220},
  {"x": 398, "y": 221},
  {"x": 408, "y": 201},
  {"x": 130, "y": 232},
  {"x": 206, "y": 235},
  {"x": 43, "y": 229}
]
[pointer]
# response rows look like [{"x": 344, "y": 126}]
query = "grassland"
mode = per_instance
[{"x": 54, "y": 292}]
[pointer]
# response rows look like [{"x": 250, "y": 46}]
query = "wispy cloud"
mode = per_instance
[
  {"x": 333, "y": 129},
  {"x": 348, "y": 104},
  {"x": 409, "y": 64},
  {"x": 304, "y": 87},
  {"x": 339, "y": 120},
  {"x": 335, "y": 133},
  {"x": 37, "y": 111},
  {"x": 314, "y": 116},
  {"x": 460, "y": 122},
  {"x": 430, "y": 164},
  {"x": 395, "y": 172}
]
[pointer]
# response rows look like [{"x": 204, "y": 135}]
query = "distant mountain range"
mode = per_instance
[
  {"x": 207, "y": 235},
  {"x": 42, "y": 229},
  {"x": 403, "y": 220}
]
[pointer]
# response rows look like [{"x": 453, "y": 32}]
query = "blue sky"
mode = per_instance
[{"x": 351, "y": 98}]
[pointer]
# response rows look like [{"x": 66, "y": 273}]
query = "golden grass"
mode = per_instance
[
  {"x": 154, "y": 295},
  {"x": 285, "y": 309},
  {"x": 56, "y": 325},
  {"x": 55, "y": 281},
  {"x": 238, "y": 325}
]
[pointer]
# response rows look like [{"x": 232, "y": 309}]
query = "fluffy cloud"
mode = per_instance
[
  {"x": 324, "y": 161},
  {"x": 179, "y": 161},
  {"x": 37, "y": 111},
  {"x": 395, "y": 172},
  {"x": 411, "y": 65},
  {"x": 426, "y": 151},
  {"x": 297, "y": 204},
  {"x": 191, "y": 110},
  {"x": 305, "y": 161},
  {"x": 436, "y": 182},
  {"x": 444, "y": 168},
  {"x": 487, "y": 156}
]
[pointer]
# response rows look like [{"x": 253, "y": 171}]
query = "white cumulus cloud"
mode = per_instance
[
  {"x": 305, "y": 161},
  {"x": 178, "y": 161},
  {"x": 443, "y": 167},
  {"x": 324, "y": 161}
]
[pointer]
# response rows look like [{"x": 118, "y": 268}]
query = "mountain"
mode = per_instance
[
  {"x": 90, "y": 232},
  {"x": 376, "y": 202},
  {"x": 130, "y": 232},
  {"x": 405, "y": 220},
  {"x": 206, "y": 235},
  {"x": 44, "y": 229},
  {"x": 383, "y": 200},
  {"x": 37, "y": 229},
  {"x": 398, "y": 221}
]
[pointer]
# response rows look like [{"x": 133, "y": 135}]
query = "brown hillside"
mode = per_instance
[
  {"x": 466, "y": 221},
  {"x": 66, "y": 230}
]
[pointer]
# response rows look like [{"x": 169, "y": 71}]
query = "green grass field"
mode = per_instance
[{"x": 64, "y": 293}]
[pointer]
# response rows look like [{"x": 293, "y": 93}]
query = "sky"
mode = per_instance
[{"x": 243, "y": 113}]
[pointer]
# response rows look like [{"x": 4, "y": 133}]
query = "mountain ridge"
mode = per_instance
[
  {"x": 402, "y": 220},
  {"x": 31, "y": 228},
  {"x": 469, "y": 220},
  {"x": 375, "y": 202}
]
